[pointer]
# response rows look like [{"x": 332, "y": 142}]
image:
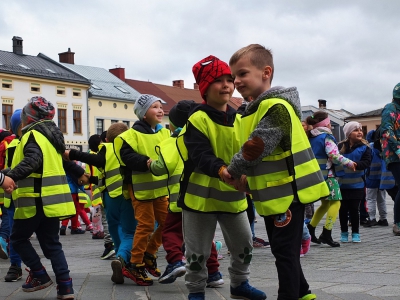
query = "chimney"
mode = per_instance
[
  {"x": 119, "y": 72},
  {"x": 322, "y": 103},
  {"x": 67, "y": 57},
  {"x": 178, "y": 83},
  {"x": 17, "y": 45},
  {"x": 195, "y": 86}
]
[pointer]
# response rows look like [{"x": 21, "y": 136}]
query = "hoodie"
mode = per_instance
[{"x": 273, "y": 130}]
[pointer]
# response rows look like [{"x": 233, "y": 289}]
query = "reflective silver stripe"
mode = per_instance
[
  {"x": 351, "y": 180},
  {"x": 388, "y": 182},
  {"x": 324, "y": 172},
  {"x": 96, "y": 196},
  {"x": 114, "y": 185},
  {"x": 27, "y": 182},
  {"x": 148, "y": 186},
  {"x": 112, "y": 173},
  {"x": 54, "y": 180},
  {"x": 7, "y": 196},
  {"x": 339, "y": 168},
  {"x": 303, "y": 156},
  {"x": 273, "y": 192},
  {"x": 174, "y": 179},
  {"x": 309, "y": 180},
  {"x": 268, "y": 167},
  {"x": 209, "y": 192},
  {"x": 24, "y": 202},
  {"x": 375, "y": 165},
  {"x": 387, "y": 174},
  {"x": 81, "y": 197},
  {"x": 173, "y": 197},
  {"x": 56, "y": 199},
  {"x": 374, "y": 172},
  {"x": 1, "y": 195}
]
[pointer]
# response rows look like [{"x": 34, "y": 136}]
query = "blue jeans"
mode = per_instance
[
  {"x": 4, "y": 227},
  {"x": 306, "y": 233},
  {"x": 15, "y": 259},
  {"x": 121, "y": 224},
  {"x": 395, "y": 169},
  {"x": 46, "y": 230}
]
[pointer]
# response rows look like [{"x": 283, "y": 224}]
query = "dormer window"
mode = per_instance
[
  {"x": 120, "y": 88},
  {"x": 25, "y": 67}
]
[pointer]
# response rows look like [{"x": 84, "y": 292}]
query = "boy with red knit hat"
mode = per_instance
[{"x": 207, "y": 146}]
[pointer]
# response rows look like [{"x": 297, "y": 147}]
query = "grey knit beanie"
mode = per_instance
[{"x": 143, "y": 104}]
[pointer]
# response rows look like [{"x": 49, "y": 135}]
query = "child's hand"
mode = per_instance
[
  {"x": 241, "y": 184},
  {"x": 66, "y": 155},
  {"x": 84, "y": 179},
  {"x": 226, "y": 177},
  {"x": 8, "y": 185},
  {"x": 149, "y": 163},
  {"x": 353, "y": 167}
]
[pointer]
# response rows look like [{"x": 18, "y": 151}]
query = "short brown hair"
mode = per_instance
[
  {"x": 259, "y": 56},
  {"x": 115, "y": 130}
]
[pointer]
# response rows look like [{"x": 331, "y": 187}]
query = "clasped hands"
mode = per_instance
[
  {"x": 8, "y": 185},
  {"x": 239, "y": 184}
]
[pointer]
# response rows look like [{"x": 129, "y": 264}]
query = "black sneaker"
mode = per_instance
[
  {"x": 14, "y": 274},
  {"x": 77, "y": 231},
  {"x": 63, "y": 230},
  {"x": 370, "y": 223},
  {"x": 382, "y": 223},
  {"x": 108, "y": 251}
]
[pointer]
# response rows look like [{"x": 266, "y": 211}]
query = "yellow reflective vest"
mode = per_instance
[
  {"x": 272, "y": 182},
  {"x": 174, "y": 165},
  {"x": 146, "y": 186},
  {"x": 205, "y": 193},
  {"x": 112, "y": 174},
  {"x": 13, "y": 144},
  {"x": 54, "y": 193}
]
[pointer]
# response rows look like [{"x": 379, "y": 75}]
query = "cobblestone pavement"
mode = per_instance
[{"x": 366, "y": 271}]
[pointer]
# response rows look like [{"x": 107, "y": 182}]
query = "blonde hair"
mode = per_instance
[
  {"x": 259, "y": 56},
  {"x": 115, "y": 130}
]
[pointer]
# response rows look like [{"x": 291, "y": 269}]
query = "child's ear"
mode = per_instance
[{"x": 267, "y": 72}]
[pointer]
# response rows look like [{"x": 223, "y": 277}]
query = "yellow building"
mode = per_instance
[{"x": 24, "y": 76}]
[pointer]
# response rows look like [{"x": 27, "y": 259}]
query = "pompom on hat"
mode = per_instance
[
  {"x": 350, "y": 127},
  {"x": 38, "y": 108},
  {"x": 207, "y": 70}
]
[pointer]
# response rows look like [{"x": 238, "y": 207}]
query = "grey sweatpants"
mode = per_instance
[
  {"x": 376, "y": 197},
  {"x": 198, "y": 232}
]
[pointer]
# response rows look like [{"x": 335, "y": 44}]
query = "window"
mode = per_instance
[
  {"x": 60, "y": 91},
  {"x": 127, "y": 123},
  {"x": 115, "y": 105},
  {"x": 35, "y": 87},
  {"x": 51, "y": 71},
  {"x": 77, "y": 121},
  {"x": 62, "y": 120},
  {"x": 6, "y": 84},
  {"x": 100, "y": 103},
  {"x": 121, "y": 89},
  {"x": 99, "y": 126},
  {"x": 114, "y": 121},
  {"x": 364, "y": 130},
  {"x": 125, "y": 106},
  {"x": 76, "y": 93},
  {"x": 95, "y": 87},
  {"x": 7, "y": 113}
]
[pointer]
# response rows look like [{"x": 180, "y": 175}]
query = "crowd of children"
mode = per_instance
[{"x": 218, "y": 165}]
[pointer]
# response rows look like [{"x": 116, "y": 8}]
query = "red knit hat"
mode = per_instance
[{"x": 207, "y": 70}]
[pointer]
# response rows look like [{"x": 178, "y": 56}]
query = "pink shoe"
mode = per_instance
[{"x": 305, "y": 245}]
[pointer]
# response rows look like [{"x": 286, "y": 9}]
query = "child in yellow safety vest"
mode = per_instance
[
  {"x": 134, "y": 148},
  {"x": 282, "y": 172},
  {"x": 119, "y": 210},
  {"x": 169, "y": 162}
]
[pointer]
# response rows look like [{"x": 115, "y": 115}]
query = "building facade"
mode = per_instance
[{"x": 24, "y": 76}]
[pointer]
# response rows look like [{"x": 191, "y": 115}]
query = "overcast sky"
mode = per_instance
[{"x": 346, "y": 52}]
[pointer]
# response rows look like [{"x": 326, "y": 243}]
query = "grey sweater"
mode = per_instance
[{"x": 274, "y": 129}]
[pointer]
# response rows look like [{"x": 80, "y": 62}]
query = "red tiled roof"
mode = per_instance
[
  {"x": 173, "y": 94},
  {"x": 147, "y": 87}
]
